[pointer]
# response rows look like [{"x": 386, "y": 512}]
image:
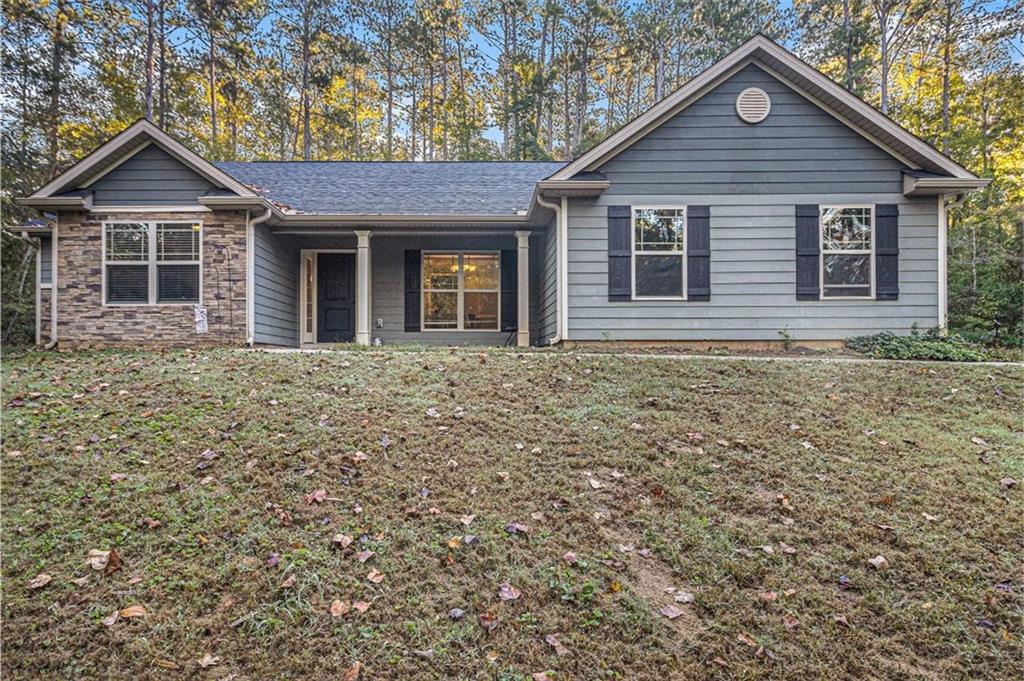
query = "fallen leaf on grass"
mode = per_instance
[
  {"x": 97, "y": 559},
  {"x": 671, "y": 612},
  {"x": 768, "y": 596},
  {"x": 1008, "y": 483},
  {"x": 507, "y": 592},
  {"x": 208, "y": 660},
  {"x": 353, "y": 673},
  {"x": 364, "y": 556},
  {"x": 540, "y": 676},
  {"x": 684, "y": 597},
  {"x": 359, "y": 457},
  {"x": 133, "y": 611},
  {"x": 288, "y": 582},
  {"x": 341, "y": 540},
  {"x": 114, "y": 562},
  {"x": 375, "y": 576},
  {"x": 467, "y": 519},
  {"x": 39, "y": 581},
  {"x": 273, "y": 559},
  {"x": 746, "y": 639},
  {"x": 570, "y": 558},
  {"x": 553, "y": 641},
  {"x": 111, "y": 619},
  {"x": 789, "y": 620},
  {"x": 456, "y": 614},
  {"x": 841, "y": 620},
  {"x": 118, "y": 477},
  {"x": 595, "y": 484},
  {"x": 488, "y": 621},
  {"x": 517, "y": 528},
  {"x": 879, "y": 562},
  {"x": 361, "y": 606},
  {"x": 316, "y": 497},
  {"x": 929, "y": 517},
  {"x": 339, "y": 607}
]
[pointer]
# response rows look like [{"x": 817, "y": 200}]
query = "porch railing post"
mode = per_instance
[
  {"x": 363, "y": 287},
  {"x": 523, "y": 296}
]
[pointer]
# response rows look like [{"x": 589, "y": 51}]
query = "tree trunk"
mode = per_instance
[
  {"x": 150, "y": 59},
  {"x": 947, "y": 59},
  {"x": 307, "y": 136},
  {"x": 848, "y": 37},
  {"x": 212, "y": 40},
  {"x": 56, "y": 71},
  {"x": 389, "y": 67},
  {"x": 163, "y": 66}
]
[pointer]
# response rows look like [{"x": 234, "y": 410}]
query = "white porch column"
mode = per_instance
[
  {"x": 523, "y": 296},
  {"x": 363, "y": 287}
]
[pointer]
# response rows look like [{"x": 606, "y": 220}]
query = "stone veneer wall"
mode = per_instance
[{"x": 83, "y": 320}]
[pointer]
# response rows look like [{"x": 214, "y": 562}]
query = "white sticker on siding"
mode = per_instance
[
  {"x": 202, "y": 325},
  {"x": 753, "y": 105}
]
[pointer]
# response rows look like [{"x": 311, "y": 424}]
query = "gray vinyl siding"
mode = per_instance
[
  {"x": 151, "y": 177},
  {"x": 752, "y": 177},
  {"x": 387, "y": 301},
  {"x": 547, "y": 296},
  {"x": 276, "y": 274},
  {"x": 45, "y": 260}
]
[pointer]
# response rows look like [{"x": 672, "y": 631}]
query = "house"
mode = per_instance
[{"x": 759, "y": 201}]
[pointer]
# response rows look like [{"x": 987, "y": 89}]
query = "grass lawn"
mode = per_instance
[{"x": 493, "y": 515}]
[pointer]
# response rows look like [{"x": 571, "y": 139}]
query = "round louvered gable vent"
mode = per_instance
[{"x": 753, "y": 105}]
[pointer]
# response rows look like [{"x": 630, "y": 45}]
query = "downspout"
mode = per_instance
[
  {"x": 944, "y": 206},
  {"x": 561, "y": 215},
  {"x": 54, "y": 279},
  {"x": 250, "y": 274}
]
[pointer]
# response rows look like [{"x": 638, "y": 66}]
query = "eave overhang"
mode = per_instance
[{"x": 915, "y": 185}]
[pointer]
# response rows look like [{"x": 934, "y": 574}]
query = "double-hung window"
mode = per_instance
[
  {"x": 148, "y": 263},
  {"x": 847, "y": 240},
  {"x": 461, "y": 291},
  {"x": 659, "y": 253}
]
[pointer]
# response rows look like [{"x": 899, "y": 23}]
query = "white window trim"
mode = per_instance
[
  {"x": 822, "y": 253},
  {"x": 460, "y": 291},
  {"x": 633, "y": 252},
  {"x": 150, "y": 262}
]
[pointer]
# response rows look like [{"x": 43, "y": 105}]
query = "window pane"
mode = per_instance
[
  {"x": 127, "y": 241},
  {"x": 846, "y": 229},
  {"x": 127, "y": 283},
  {"x": 440, "y": 270},
  {"x": 659, "y": 275},
  {"x": 847, "y": 275},
  {"x": 480, "y": 311},
  {"x": 480, "y": 271},
  {"x": 177, "y": 284},
  {"x": 659, "y": 229},
  {"x": 441, "y": 310},
  {"x": 177, "y": 242}
]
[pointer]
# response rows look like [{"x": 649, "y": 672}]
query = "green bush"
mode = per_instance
[{"x": 928, "y": 346}]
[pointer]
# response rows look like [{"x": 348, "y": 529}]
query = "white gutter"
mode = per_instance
[
  {"x": 562, "y": 216},
  {"x": 250, "y": 274}
]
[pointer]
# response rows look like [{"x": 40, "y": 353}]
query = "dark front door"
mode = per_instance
[{"x": 335, "y": 297}]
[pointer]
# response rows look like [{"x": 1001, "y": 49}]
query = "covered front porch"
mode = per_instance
[{"x": 453, "y": 285}]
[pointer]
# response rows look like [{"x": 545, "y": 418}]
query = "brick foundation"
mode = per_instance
[{"x": 84, "y": 322}]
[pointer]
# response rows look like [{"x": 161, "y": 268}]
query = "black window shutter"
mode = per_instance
[
  {"x": 698, "y": 253},
  {"x": 620, "y": 253},
  {"x": 412, "y": 291},
  {"x": 887, "y": 251},
  {"x": 808, "y": 249},
  {"x": 509, "y": 291}
]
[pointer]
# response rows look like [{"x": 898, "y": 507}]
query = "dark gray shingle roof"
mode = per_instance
[{"x": 371, "y": 187}]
